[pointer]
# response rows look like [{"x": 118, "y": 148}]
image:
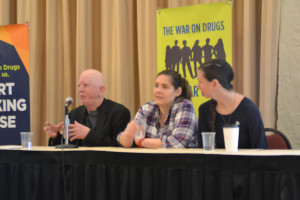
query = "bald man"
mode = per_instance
[{"x": 95, "y": 123}]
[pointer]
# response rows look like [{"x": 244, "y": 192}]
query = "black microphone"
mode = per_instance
[{"x": 68, "y": 101}]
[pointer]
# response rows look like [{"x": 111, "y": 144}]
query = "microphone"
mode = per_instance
[{"x": 68, "y": 101}]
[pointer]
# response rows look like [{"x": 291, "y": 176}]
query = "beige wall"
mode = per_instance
[{"x": 289, "y": 72}]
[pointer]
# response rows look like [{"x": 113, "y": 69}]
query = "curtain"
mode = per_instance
[{"x": 118, "y": 37}]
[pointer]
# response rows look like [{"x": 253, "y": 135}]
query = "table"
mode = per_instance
[{"x": 144, "y": 174}]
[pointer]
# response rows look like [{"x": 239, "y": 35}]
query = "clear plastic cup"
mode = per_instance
[
  {"x": 208, "y": 141},
  {"x": 26, "y": 139}
]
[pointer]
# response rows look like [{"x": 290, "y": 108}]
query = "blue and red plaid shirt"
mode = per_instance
[{"x": 180, "y": 130}]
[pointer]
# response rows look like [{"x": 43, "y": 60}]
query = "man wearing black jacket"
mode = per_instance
[{"x": 95, "y": 123}]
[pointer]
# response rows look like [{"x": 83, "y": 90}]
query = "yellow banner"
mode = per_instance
[{"x": 187, "y": 37}]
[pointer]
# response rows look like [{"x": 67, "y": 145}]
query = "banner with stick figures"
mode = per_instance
[
  {"x": 14, "y": 83},
  {"x": 187, "y": 37}
]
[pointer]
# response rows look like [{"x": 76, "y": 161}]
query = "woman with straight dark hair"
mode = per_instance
[
  {"x": 170, "y": 121},
  {"x": 227, "y": 107}
]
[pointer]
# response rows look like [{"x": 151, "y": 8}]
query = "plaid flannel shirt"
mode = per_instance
[{"x": 180, "y": 130}]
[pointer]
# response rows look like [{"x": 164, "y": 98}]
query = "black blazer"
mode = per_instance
[{"x": 112, "y": 119}]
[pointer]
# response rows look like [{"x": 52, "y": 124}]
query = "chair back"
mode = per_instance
[{"x": 277, "y": 140}]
